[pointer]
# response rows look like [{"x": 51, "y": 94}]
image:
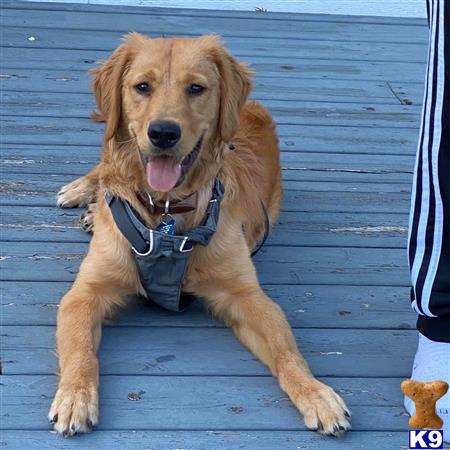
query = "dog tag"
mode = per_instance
[{"x": 167, "y": 226}]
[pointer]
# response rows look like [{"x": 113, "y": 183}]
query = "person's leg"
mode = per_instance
[{"x": 429, "y": 231}]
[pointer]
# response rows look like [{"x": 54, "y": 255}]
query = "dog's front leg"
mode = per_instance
[
  {"x": 106, "y": 274},
  {"x": 233, "y": 294},
  {"x": 80, "y": 316}
]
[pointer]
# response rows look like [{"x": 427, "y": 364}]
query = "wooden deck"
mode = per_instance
[{"x": 346, "y": 93}]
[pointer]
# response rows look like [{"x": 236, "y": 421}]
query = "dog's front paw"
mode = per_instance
[
  {"x": 324, "y": 410},
  {"x": 78, "y": 193},
  {"x": 74, "y": 409}
]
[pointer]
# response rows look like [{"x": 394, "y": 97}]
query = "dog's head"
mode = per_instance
[{"x": 177, "y": 98}]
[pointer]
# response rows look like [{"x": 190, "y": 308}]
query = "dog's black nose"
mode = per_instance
[{"x": 164, "y": 133}]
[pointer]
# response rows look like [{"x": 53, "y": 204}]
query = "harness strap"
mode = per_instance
[
  {"x": 161, "y": 258},
  {"x": 131, "y": 226},
  {"x": 261, "y": 243},
  {"x": 125, "y": 224},
  {"x": 133, "y": 229}
]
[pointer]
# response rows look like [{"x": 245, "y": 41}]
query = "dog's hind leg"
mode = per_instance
[{"x": 80, "y": 192}]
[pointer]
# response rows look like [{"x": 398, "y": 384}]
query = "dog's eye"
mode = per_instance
[
  {"x": 195, "y": 89},
  {"x": 143, "y": 88}
]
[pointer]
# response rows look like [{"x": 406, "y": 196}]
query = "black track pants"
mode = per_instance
[{"x": 429, "y": 228}]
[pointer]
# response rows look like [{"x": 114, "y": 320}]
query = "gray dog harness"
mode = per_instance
[{"x": 162, "y": 257}]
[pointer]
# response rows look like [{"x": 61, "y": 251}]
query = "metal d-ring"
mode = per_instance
[
  {"x": 150, "y": 245},
  {"x": 182, "y": 250}
]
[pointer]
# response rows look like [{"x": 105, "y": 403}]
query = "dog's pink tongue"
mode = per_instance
[{"x": 163, "y": 172}]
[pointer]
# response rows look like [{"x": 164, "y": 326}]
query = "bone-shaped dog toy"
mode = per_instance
[{"x": 425, "y": 395}]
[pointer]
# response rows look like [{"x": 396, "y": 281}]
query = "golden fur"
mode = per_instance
[{"x": 221, "y": 273}]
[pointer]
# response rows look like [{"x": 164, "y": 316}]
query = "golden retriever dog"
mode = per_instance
[{"x": 196, "y": 93}]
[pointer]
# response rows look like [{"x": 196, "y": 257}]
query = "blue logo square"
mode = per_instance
[{"x": 429, "y": 439}]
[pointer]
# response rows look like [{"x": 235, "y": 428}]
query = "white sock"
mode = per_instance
[{"x": 432, "y": 363}]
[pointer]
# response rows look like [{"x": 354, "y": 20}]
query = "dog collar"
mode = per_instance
[{"x": 184, "y": 205}]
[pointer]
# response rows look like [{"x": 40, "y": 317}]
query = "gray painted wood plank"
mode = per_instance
[
  {"x": 297, "y": 166},
  {"x": 39, "y": 191},
  {"x": 202, "y": 403},
  {"x": 195, "y": 25},
  {"x": 265, "y": 88},
  {"x": 397, "y": 8},
  {"x": 67, "y": 162},
  {"x": 34, "y": 190},
  {"x": 83, "y": 60},
  {"x": 325, "y": 173},
  {"x": 310, "y": 113},
  {"x": 306, "y": 306},
  {"x": 108, "y": 40},
  {"x": 205, "y": 440},
  {"x": 322, "y": 139},
  {"x": 310, "y": 265},
  {"x": 35, "y": 185},
  {"x": 247, "y": 15},
  {"x": 51, "y": 224},
  {"x": 80, "y": 105},
  {"x": 214, "y": 351}
]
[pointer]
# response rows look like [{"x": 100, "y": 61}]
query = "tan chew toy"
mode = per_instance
[{"x": 425, "y": 396}]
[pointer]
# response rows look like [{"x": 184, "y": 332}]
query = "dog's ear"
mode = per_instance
[
  {"x": 107, "y": 87},
  {"x": 235, "y": 86}
]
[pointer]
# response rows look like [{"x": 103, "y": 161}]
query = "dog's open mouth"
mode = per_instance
[{"x": 167, "y": 172}]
